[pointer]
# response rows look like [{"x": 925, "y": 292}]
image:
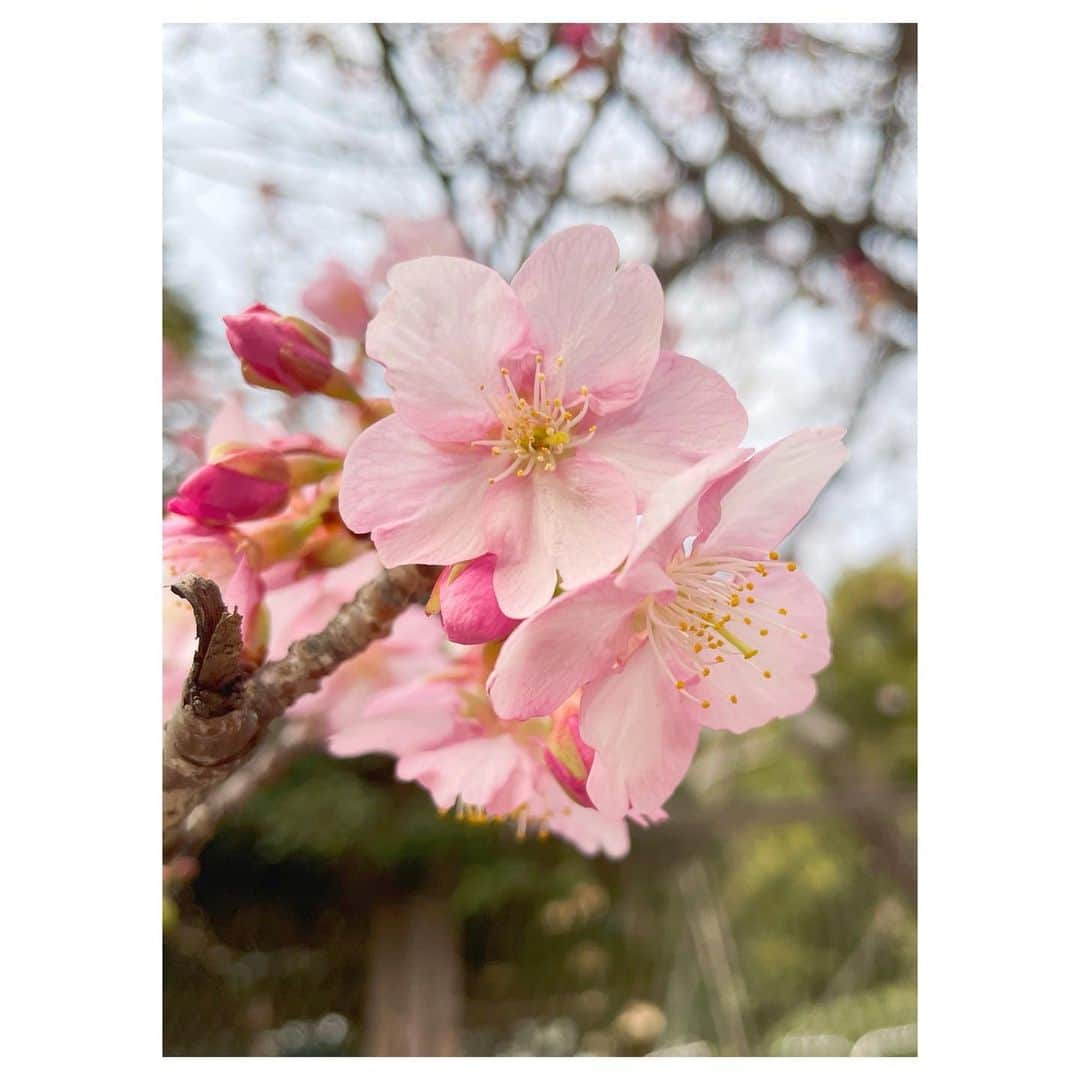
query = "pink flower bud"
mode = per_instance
[
  {"x": 465, "y": 597},
  {"x": 338, "y": 300},
  {"x": 568, "y": 758},
  {"x": 237, "y": 484},
  {"x": 285, "y": 353}
]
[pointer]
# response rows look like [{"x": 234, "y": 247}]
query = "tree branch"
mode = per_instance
[
  {"x": 427, "y": 147},
  {"x": 833, "y": 235},
  {"x": 226, "y": 708}
]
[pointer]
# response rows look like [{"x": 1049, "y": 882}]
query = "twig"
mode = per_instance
[
  {"x": 832, "y": 234},
  {"x": 226, "y": 709},
  {"x": 427, "y": 147},
  {"x": 559, "y": 187}
]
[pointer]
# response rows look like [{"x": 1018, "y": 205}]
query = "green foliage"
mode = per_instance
[
  {"x": 179, "y": 323},
  {"x": 871, "y": 682}
]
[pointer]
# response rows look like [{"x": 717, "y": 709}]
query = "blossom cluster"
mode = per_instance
[{"x": 612, "y": 576}]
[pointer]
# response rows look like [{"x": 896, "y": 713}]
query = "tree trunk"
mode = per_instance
[{"x": 416, "y": 990}]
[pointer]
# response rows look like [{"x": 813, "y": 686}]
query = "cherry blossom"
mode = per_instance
[
  {"x": 532, "y": 419},
  {"x": 720, "y": 631}
]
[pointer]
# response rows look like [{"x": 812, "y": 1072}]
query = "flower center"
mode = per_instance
[
  {"x": 714, "y": 615},
  {"x": 535, "y": 433}
]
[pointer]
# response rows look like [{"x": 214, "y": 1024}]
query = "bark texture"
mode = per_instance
[
  {"x": 227, "y": 706},
  {"x": 416, "y": 983}
]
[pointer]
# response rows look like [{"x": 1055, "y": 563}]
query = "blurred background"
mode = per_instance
[{"x": 768, "y": 173}]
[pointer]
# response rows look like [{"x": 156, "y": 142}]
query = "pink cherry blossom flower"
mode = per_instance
[
  {"x": 415, "y": 648},
  {"x": 464, "y": 597},
  {"x": 338, "y": 300},
  {"x": 722, "y": 632},
  {"x": 448, "y": 740},
  {"x": 413, "y": 239},
  {"x": 532, "y": 420}
]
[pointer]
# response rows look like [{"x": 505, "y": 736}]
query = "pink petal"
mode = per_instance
[
  {"x": 576, "y": 638},
  {"x": 644, "y": 733},
  {"x": 231, "y": 424},
  {"x": 789, "y": 658},
  {"x": 577, "y": 520},
  {"x": 687, "y": 412},
  {"x": 422, "y": 502},
  {"x": 476, "y": 770},
  {"x": 399, "y": 720},
  {"x": 778, "y": 487},
  {"x": 605, "y": 322},
  {"x": 670, "y": 517},
  {"x": 442, "y": 333},
  {"x": 588, "y": 830}
]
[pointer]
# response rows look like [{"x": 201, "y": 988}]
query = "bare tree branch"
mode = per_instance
[
  {"x": 227, "y": 709},
  {"x": 427, "y": 147}
]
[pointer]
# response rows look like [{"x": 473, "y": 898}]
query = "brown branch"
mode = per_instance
[
  {"x": 832, "y": 235},
  {"x": 427, "y": 146},
  {"x": 558, "y": 189},
  {"x": 226, "y": 709}
]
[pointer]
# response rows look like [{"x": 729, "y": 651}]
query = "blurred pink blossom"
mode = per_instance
[
  {"x": 448, "y": 740},
  {"x": 338, "y": 300},
  {"x": 408, "y": 238}
]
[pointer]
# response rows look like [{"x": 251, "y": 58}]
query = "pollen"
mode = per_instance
[
  {"x": 783, "y": 610},
  {"x": 734, "y": 699},
  {"x": 705, "y": 704},
  {"x": 679, "y": 684},
  {"x": 698, "y": 646},
  {"x": 774, "y": 555},
  {"x": 763, "y": 632},
  {"x": 706, "y": 672},
  {"x": 791, "y": 566},
  {"x": 536, "y": 433},
  {"x": 747, "y": 620},
  {"x": 767, "y": 674}
]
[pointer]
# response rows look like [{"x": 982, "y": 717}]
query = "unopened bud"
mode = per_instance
[
  {"x": 465, "y": 597},
  {"x": 567, "y": 756},
  {"x": 237, "y": 484},
  {"x": 285, "y": 353}
]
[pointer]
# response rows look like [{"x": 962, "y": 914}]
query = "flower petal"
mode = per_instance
[
  {"x": 575, "y": 639},
  {"x": 776, "y": 490},
  {"x": 687, "y": 412},
  {"x": 480, "y": 771},
  {"x": 577, "y": 520},
  {"x": 670, "y": 517},
  {"x": 644, "y": 734},
  {"x": 604, "y": 322},
  {"x": 442, "y": 333},
  {"x": 399, "y": 720},
  {"x": 421, "y": 501},
  {"x": 786, "y": 606}
]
